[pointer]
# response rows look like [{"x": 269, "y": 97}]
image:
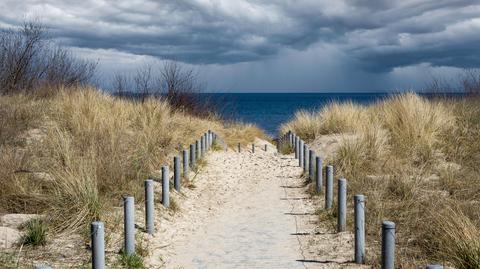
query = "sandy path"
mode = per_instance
[
  {"x": 248, "y": 211},
  {"x": 252, "y": 230}
]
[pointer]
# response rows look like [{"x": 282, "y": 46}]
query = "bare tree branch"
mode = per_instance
[{"x": 29, "y": 61}]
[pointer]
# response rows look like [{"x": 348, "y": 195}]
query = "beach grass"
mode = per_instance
[
  {"x": 416, "y": 160},
  {"x": 74, "y": 154}
]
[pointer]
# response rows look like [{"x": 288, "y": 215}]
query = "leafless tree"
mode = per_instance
[
  {"x": 62, "y": 68},
  {"x": 183, "y": 89},
  {"x": 178, "y": 78},
  {"x": 29, "y": 61},
  {"x": 175, "y": 82},
  {"x": 144, "y": 81},
  {"x": 120, "y": 84},
  {"x": 470, "y": 81},
  {"x": 439, "y": 85}
]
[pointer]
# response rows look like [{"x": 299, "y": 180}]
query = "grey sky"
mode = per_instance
[{"x": 259, "y": 45}]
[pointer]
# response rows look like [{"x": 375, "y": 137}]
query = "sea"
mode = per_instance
[{"x": 269, "y": 110}]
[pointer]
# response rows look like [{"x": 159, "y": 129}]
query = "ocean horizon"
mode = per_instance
[{"x": 269, "y": 110}]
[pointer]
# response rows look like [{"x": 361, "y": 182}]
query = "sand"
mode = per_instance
[{"x": 248, "y": 210}]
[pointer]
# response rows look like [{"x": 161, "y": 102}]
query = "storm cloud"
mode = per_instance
[{"x": 370, "y": 36}]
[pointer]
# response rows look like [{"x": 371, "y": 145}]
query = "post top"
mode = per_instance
[
  {"x": 388, "y": 224},
  {"x": 359, "y": 197},
  {"x": 97, "y": 224}
]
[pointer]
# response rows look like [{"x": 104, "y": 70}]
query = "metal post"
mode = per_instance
[
  {"x": 205, "y": 141},
  {"x": 318, "y": 174},
  {"x": 305, "y": 158},
  {"x": 300, "y": 153},
  {"x": 359, "y": 212},
  {"x": 296, "y": 147},
  {"x": 293, "y": 141},
  {"x": 329, "y": 188},
  {"x": 434, "y": 266},
  {"x": 266, "y": 147},
  {"x": 311, "y": 164},
  {"x": 207, "y": 135},
  {"x": 176, "y": 173},
  {"x": 129, "y": 225},
  {"x": 198, "y": 153},
  {"x": 388, "y": 245},
  {"x": 185, "y": 164},
  {"x": 149, "y": 207},
  {"x": 192, "y": 156},
  {"x": 342, "y": 205},
  {"x": 97, "y": 230},
  {"x": 253, "y": 148},
  {"x": 239, "y": 148},
  {"x": 210, "y": 140},
  {"x": 165, "y": 187}
]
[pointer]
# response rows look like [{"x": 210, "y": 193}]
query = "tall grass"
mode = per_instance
[
  {"x": 415, "y": 125},
  {"x": 332, "y": 118},
  {"x": 93, "y": 148},
  {"x": 416, "y": 160}
]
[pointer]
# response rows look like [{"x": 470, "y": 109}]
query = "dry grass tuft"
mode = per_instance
[
  {"x": 457, "y": 238},
  {"x": 415, "y": 125},
  {"x": 243, "y": 133},
  {"x": 332, "y": 118}
]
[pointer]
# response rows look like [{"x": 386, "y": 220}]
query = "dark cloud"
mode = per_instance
[{"x": 377, "y": 35}]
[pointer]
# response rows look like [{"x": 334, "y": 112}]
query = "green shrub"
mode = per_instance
[
  {"x": 35, "y": 233},
  {"x": 133, "y": 261}
]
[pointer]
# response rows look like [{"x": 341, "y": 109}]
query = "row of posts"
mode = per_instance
[
  {"x": 312, "y": 168},
  {"x": 253, "y": 147},
  {"x": 97, "y": 228}
]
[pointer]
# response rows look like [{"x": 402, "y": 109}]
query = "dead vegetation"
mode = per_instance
[{"x": 416, "y": 161}]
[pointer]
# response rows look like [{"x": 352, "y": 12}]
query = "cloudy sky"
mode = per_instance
[{"x": 276, "y": 45}]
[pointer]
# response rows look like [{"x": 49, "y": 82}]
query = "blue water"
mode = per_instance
[{"x": 270, "y": 110}]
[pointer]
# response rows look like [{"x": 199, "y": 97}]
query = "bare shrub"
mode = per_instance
[
  {"x": 120, "y": 84},
  {"x": 171, "y": 80},
  {"x": 470, "y": 80},
  {"x": 183, "y": 89},
  {"x": 144, "y": 81},
  {"x": 29, "y": 61}
]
